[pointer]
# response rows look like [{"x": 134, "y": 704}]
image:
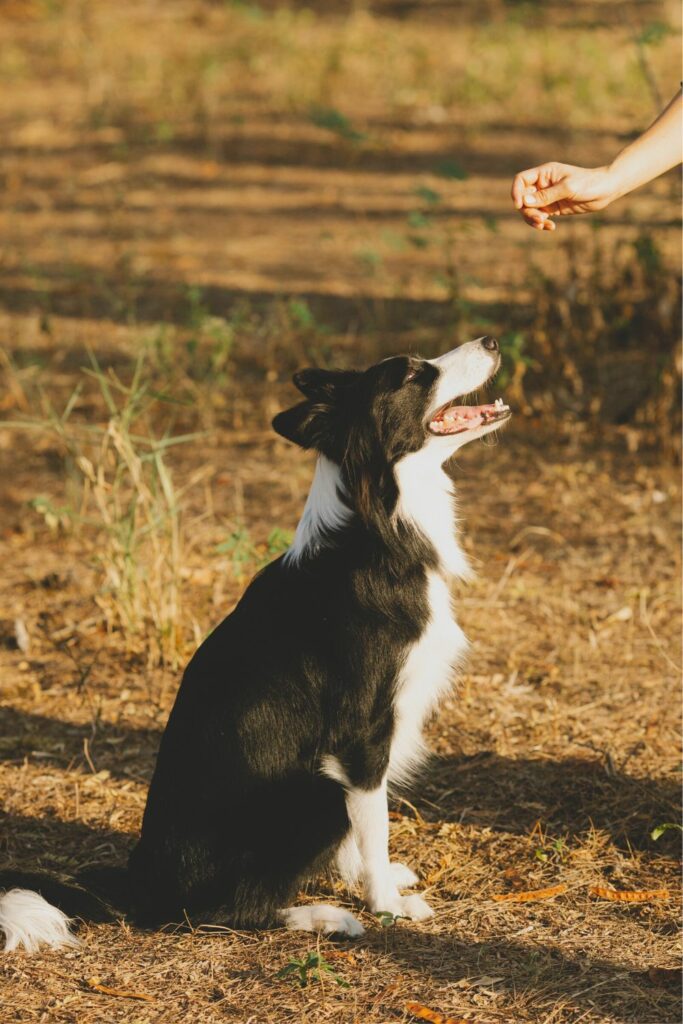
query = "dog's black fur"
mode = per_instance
[{"x": 238, "y": 814}]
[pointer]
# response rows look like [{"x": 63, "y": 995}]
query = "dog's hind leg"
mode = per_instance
[{"x": 320, "y": 824}]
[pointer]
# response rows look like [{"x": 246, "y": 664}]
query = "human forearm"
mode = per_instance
[{"x": 657, "y": 150}]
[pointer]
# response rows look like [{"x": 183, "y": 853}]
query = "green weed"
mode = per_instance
[
  {"x": 659, "y": 830},
  {"x": 246, "y": 556},
  {"x": 556, "y": 850},
  {"x": 309, "y": 968},
  {"x": 334, "y": 121}
]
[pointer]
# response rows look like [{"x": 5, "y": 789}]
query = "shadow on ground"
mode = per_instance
[
  {"x": 568, "y": 796},
  {"x": 124, "y": 752},
  {"x": 584, "y": 982},
  {"x": 79, "y": 291},
  {"x": 571, "y": 795}
]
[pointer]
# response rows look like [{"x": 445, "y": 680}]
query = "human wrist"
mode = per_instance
[
  {"x": 628, "y": 171},
  {"x": 611, "y": 181}
]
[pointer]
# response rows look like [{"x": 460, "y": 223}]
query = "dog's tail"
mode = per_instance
[{"x": 41, "y": 909}]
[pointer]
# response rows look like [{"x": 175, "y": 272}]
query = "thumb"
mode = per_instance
[{"x": 548, "y": 196}]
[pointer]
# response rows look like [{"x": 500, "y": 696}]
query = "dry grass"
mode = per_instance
[
  {"x": 552, "y": 766},
  {"x": 217, "y": 194}
]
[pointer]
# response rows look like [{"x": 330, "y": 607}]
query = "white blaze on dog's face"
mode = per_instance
[{"x": 462, "y": 371}]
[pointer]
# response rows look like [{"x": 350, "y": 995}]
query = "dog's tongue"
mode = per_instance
[
  {"x": 466, "y": 412},
  {"x": 464, "y": 417}
]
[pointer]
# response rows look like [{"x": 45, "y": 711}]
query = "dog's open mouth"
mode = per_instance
[{"x": 453, "y": 419}]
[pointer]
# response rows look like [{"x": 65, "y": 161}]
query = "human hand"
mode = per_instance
[{"x": 557, "y": 189}]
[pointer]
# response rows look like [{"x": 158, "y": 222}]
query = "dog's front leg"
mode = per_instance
[{"x": 369, "y": 817}]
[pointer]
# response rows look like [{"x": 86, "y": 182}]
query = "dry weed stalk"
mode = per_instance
[{"x": 125, "y": 507}]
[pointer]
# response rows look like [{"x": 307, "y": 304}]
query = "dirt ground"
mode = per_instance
[{"x": 166, "y": 195}]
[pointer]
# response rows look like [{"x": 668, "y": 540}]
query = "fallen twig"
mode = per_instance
[
  {"x": 531, "y": 894},
  {"x": 629, "y": 896},
  {"x": 121, "y": 993}
]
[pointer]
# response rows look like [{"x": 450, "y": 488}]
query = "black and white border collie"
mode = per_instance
[{"x": 308, "y": 700}]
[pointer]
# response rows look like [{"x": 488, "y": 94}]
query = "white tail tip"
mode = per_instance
[{"x": 30, "y": 922}]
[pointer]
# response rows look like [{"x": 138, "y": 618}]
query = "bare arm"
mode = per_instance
[{"x": 556, "y": 189}]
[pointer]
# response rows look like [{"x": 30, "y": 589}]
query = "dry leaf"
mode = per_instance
[
  {"x": 445, "y": 862},
  {"x": 531, "y": 894},
  {"x": 340, "y": 954},
  {"x": 424, "y": 1013},
  {"x": 514, "y": 879},
  {"x": 629, "y": 896}
]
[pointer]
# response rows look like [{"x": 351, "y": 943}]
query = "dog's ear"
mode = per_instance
[
  {"x": 308, "y": 424},
  {"x": 318, "y": 422},
  {"x": 324, "y": 385}
]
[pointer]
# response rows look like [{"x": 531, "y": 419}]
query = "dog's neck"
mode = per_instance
[
  {"x": 426, "y": 503},
  {"x": 324, "y": 512}
]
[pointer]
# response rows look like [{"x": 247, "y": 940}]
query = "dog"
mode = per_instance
[{"x": 308, "y": 701}]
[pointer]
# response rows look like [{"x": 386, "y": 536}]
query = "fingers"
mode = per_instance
[
  {"x": 545, "y": 197},
  {"x": 522, "y": 183},
  {"x": 539, "y": 219},
  {"x": 536, "y": 180}
]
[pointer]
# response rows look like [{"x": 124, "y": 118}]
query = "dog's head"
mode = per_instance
[{"x": 367, "y": 421}]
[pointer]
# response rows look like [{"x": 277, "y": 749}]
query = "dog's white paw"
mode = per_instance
[
  {"x": 413, "y": 907},
  {"x": 319, "y": 917},
  {"x": 416, "y": 908},
  {"x": 402, "y": 876}
]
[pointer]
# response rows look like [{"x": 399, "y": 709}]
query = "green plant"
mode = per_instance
[
  {"x": 451, "y": 170},
  {"x": 193, "y": 361},
  {"x": 311, "y": 967},
  {"x": 387, "y": 920},
  {"x": 246, "y": 556},
  {"x": 428, "y": 195},
  {"x": 659, "y": 830},
  {"x": 515, "y": 363},
  {"x": 277, "y": 543},
  {"x": 240, "y": 547},
  {"x": 369, "y": 260},
  {"x": 303, "y": 332},
  {"x": 336, "y": 122},
  {"x": 556, "y": 849}
]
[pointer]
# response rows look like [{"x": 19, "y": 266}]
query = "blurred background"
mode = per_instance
[
  {"x": 196, "y": 199},
  {"x": 330, "y": 181}
]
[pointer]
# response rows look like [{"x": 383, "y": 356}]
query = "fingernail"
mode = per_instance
[{"x": 530, "y": 200}]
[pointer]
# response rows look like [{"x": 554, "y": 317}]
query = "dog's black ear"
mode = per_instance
[
  {"x": 307, "y": 424},
  {"x": 323, "y": 385},
  {"x": 318, "y": 422}
]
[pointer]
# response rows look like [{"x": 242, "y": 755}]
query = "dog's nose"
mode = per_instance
[{"x": 490, "y": 344}]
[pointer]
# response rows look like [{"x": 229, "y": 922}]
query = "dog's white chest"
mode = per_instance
[{"x": 425, "y": 677}]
